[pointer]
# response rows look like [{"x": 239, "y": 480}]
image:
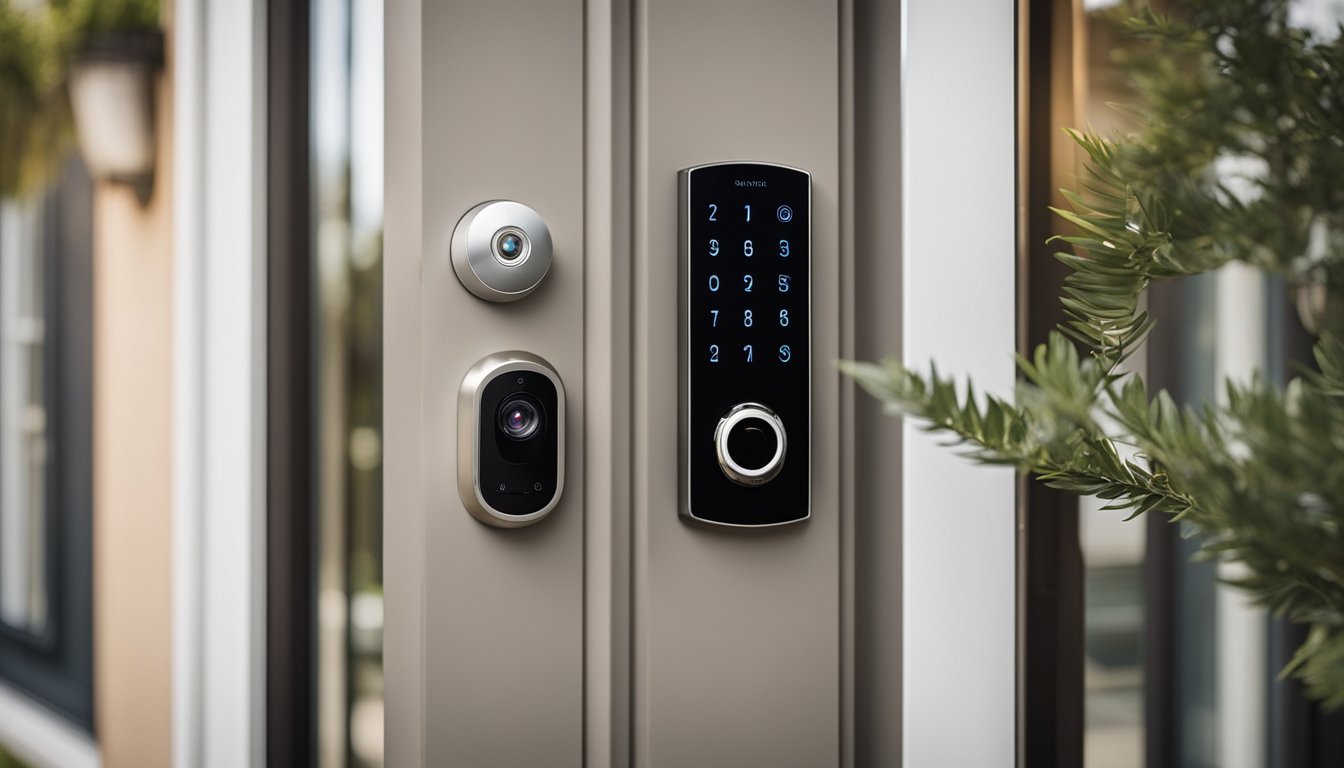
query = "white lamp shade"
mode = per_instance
[{"x": 113, "y": 103}]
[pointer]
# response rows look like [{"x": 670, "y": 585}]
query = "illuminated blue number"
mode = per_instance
[
  {"x": 713, "y": 283},
  {"x": 784, "y": 283},
  {"x": 746, "y": 280},
  {"x": 713, "y": 247},
  {"x": 713, "y": 353},
  {"x": 746, "y": 319},
  {"x": 785, "y": 354},
  {"x": 747, "y": 348},
  {"x": 784, "y": 248},
  {"x": 714, "y": 318},
  {"x": 747, "y": 248},
  {"x": 713, "y": 211},
  {"x": 783, "y": 318},
  {"x": 748, "y": 207}
]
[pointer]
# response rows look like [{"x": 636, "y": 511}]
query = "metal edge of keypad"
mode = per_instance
[{"x": 684, "y": 327}]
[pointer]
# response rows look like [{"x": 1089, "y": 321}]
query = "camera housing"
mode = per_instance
[{"x": 511, "y": 439}]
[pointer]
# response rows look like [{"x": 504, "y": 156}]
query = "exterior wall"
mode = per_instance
[{"x": 133, "y": 281}]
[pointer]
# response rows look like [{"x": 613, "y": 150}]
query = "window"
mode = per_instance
[
  {"x": 45, "y": 453},
  {"x": 347, "y": 237},
  {"x": 325, "y": 603},
  {"x": 1153, "y": 662},
  {"x": 24, "y": 524}
]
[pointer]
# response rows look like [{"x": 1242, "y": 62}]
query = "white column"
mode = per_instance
[
  {"x": 1241, "y": 688},
  {"x": 188, "y": 82},
  {"x": 958, "y": 293},
  {"x": 219, "y": 387}
]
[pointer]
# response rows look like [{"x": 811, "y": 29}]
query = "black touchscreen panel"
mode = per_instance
[{"x": 746, "y": 250}]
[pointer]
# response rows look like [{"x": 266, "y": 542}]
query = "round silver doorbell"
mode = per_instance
[
  {"x": 501, "y": 250},
  {"x": 511, "y": 439}
]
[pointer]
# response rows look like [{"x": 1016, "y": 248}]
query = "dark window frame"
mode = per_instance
[
  {"x": 1051, "y": 574},
  {"x": 291, "y": 675},
  {"x": 55, "y": 668}
]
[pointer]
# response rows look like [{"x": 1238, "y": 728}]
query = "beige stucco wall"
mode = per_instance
[{"x": 132, "y": 464}]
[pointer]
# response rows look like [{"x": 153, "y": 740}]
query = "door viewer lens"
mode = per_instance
[{"x": 511, "y": 246}]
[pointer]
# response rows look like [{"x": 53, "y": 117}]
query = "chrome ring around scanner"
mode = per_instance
[
  {"x": 730, "y": 466},
  {"x": 501, "y": 250}
]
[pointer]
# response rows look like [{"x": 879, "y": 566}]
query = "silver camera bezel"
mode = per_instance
[{"x": 470, "y": 438}]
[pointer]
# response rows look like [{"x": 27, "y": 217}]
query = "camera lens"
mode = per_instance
[
  {"x": 519, "y": 419},
  {"x": 510, "y": 245}
]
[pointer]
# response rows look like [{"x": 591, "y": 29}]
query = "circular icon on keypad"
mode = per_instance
[{"x": 784, "y": 213}]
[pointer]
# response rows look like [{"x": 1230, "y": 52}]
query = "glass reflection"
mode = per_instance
[
  {"x": 347, "y": 141},
  {"x": 24, "y": 585}
]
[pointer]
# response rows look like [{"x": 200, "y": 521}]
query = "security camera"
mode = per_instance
[{"x": 511, "y": 439}]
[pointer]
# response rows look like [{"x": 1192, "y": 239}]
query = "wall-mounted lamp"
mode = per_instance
[{"x": 112, "y": 95}]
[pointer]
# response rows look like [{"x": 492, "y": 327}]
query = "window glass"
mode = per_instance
[
  {"x": 347, "y": 146},
  {"x": 46, "y": 422},
  {"x": 1114, "y": 550},
  {"x": 1215, "y": 692},
  {"x": 1113, "y": 553},
  {"x": 24, "y": 580}
]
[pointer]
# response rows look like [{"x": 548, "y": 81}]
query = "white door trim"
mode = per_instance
[
  {"x": 188, "y": 62},
  {"x": 219, "y": 384},
  {"x": 959, "y": 145},
  {"x": 41, "y": 738}
]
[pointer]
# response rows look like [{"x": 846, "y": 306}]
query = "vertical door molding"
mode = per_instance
[
  {"x": 737, "y": 634},
  {"x": 958, "y": 149},
  {"x": 404, "y": 550},
  {"x": 875, "y": 206},
  {"x": 492, "y": 108},
  {"x": 607, "y": 464}
]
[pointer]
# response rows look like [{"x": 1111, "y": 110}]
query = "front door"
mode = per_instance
[{"x": 620, "y": 492}]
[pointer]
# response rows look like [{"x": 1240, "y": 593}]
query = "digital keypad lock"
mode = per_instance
[{"x": 746, "y": 343}]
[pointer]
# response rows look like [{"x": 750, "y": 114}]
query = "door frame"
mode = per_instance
[
  {"x": 219, "y": 383},
  {"x": 959, "y": 539}
]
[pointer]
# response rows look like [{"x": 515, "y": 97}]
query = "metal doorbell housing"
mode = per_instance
[
  {"x": 501, "y": 250},
  {"x": 511, "y": 439}
]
